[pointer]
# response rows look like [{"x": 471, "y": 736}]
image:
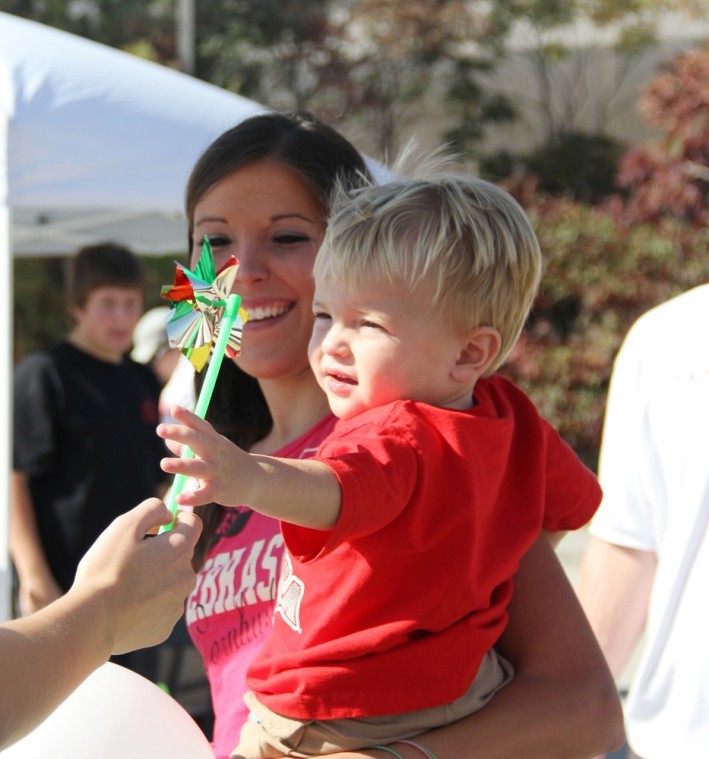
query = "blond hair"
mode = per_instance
[{"x": 465, "y": 240}]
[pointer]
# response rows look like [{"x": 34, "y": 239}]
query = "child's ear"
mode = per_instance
[{"x": 482, "y": 348}]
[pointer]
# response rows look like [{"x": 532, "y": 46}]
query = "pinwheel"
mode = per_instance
[
  {"x": 199, "y": 301},
  {"x": 204, "y": 323}
]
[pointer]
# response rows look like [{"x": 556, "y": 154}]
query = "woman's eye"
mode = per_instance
[
  {"x": 290, "y": 238},
  {"x": 218, "y": 241}
]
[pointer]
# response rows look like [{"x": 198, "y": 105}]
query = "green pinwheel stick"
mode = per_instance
[
  {"x": 205, "y": 322},
  {"x": 205, "y": 396}
]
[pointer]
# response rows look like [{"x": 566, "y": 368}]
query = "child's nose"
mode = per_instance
[{"x": 335, "y": 342}]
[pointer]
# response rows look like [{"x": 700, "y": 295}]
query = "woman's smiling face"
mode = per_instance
[{"x": 266, "y": 216}]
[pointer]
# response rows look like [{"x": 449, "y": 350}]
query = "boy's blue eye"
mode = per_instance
[{"x": 321, "y": 315}]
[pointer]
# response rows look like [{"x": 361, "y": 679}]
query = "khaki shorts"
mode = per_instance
[{"x": 268, "y": 735}]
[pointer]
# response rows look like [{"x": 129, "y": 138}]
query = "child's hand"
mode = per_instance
[
  {"x": 306, "y": 493},
  {"x": 218, "y": 465}
]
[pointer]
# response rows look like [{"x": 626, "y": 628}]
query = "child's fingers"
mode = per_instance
[
  {"x": 177, "y": 432},
  {"x": 188, "y": 418},
  {"x": 174, "y": 447},
  {"x": 200, "y": 441},
  {"x": 178, "y": 437},
  {"x": 194, "y": 492},
  {"x": 199, "y": 495},
  {"x": 189, "y": 467},
  {"x": 185, "y": 497}
]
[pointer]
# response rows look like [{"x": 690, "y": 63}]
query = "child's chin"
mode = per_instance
[{"x": 345, "y": 412}]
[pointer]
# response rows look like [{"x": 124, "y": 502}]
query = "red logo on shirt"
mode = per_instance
[{"x": 149, "y": 411}]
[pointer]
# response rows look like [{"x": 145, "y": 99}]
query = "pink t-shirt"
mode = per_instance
[{"x": 230, "y": 612}]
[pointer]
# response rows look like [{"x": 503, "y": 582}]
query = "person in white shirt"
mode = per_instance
[{"x": 646, "y": 567}]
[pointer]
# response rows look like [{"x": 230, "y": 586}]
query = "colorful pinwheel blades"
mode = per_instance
[{"x": 198, "y": 301}]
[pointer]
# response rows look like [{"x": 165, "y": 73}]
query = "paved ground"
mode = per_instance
[{"x": 570, "y": 551}]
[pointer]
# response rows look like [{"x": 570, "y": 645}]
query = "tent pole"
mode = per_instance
[
  {"x": 5, "y": 407},
  {"x": 186, "y": 35}
]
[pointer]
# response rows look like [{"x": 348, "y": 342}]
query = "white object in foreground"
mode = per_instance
[{"x": 115, "y": 714}]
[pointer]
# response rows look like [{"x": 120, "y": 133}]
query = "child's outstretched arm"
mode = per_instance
[{"x": 305, "y": 493}]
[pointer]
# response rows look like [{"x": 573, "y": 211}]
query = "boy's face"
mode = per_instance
[
  {"x": 104, "y": 326},
  {"x": 377, "y": 344}
]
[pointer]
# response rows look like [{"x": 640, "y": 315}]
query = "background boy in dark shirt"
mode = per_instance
[{"x": 84, "y": 443}]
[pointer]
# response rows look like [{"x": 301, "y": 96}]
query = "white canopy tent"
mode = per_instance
[{"x": 95, "y": 144}]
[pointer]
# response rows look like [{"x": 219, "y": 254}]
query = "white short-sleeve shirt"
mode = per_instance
[{"x": 654, "y": 469}]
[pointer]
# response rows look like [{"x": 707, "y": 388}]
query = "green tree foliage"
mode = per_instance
[
  {"x": 401, "y": 53},
  {"x": 143, "y": 27},
  {"x": 607, "y": 264},
  {"x": 571, "y": 164},
  {"x": 362, "y": 60},
  {"x": 363, "y": 63},
  {"x": 580, "y": 81},
  {"x": 39, "y": 314},
  {"x": 579, "y": 165},
  {"x": 599, "y": 276},
  {"x": 278, "y": 52},
  {"x": 562, "y": 59}
]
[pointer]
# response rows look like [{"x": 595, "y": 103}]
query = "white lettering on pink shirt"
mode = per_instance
[{"x": 228, "y": 582}]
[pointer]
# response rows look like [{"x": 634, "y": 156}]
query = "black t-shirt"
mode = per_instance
[{"x": 84, "y": 434}]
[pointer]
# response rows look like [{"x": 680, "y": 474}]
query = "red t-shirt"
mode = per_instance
[
  {"x": 393, "y": 610},
  {"x": 229, "y": 614}
]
